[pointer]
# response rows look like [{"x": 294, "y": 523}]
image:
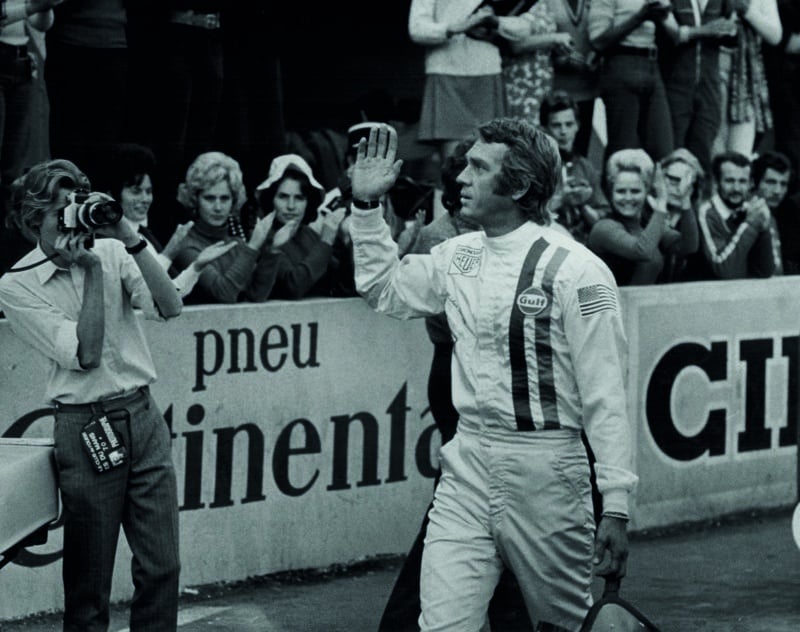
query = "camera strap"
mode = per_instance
[{"x": 33, "y": 265}]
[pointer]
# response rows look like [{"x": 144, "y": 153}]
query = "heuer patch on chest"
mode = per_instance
[{"x": 466, "y": 261}]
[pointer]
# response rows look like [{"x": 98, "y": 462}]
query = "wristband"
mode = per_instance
[
  {"x": 365, "y": 205},
  {"x": 136, "y": 249},
  {"x": 615, "y": 514}
]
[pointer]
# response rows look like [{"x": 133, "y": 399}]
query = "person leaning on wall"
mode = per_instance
[
  {"x": 736, "y": 226},
  {"x": 214, "y": 194},
  {"x": 293, "y": 195},
  {"x": 128, "y": 178},
  {"x": 637, "y": 237}
]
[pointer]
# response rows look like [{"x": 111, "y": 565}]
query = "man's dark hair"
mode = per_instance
[
  {"x": 770, "y": 160},
  {"x": 556, "y": 101},
  {"x": 738, "y": 159},
  {"x": 453, "y": 165},
  {"x": 531, "y": 164}
]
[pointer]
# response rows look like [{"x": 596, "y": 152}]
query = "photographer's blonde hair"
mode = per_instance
[{"x": 41, "y": 187}]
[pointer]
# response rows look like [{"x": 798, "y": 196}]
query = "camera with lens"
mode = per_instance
[{"x": 83, "y": 216}]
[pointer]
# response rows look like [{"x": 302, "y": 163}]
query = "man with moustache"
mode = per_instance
[{"x": 735, "y": 228}]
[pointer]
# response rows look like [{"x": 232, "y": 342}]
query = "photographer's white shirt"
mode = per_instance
[{"x": 43, "y": 305}]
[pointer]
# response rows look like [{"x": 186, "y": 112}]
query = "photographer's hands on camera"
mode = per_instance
[{"x": 74, "y": 247}]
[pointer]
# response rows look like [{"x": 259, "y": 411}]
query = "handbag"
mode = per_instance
[
  {"x": 502, "y": 8},
  {"x": 612, "y": 612}
]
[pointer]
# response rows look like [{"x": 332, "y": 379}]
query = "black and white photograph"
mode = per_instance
[{"x": 401, "y": 316}]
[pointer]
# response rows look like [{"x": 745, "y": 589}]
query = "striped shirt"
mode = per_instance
[{"x": 538, "y": 334}]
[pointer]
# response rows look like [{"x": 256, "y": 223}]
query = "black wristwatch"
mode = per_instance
[
  {"x": 365, "y": 205},
  {"x": 137, "y": 248}
]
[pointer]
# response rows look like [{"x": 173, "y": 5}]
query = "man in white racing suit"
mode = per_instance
[{"x": 539, "y": 355}]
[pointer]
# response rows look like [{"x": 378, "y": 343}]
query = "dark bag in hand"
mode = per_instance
[
  {"x": 502, "y": 8},
  {"x": 612, "y": 612}
]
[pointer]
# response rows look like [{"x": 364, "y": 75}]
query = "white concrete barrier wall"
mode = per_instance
[
  {"x": 301, "y": 439},
  {"x": 713, "y": 393},
  {"x": 302, "y": 436}
]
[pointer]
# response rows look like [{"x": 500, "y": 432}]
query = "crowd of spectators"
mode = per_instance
[
  {"x": 691, "y": 184},
  {"x": 696, "y": 179}
]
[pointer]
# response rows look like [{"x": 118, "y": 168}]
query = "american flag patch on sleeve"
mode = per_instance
[{"x": 596, "y": 298}]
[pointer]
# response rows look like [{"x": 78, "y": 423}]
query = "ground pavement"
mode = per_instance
[{"x": 736, "y": 575}]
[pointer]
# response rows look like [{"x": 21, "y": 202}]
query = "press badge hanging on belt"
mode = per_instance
[{"x": 102, "y": 444}]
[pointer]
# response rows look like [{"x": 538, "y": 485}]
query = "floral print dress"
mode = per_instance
[{"x": 528, "y": 76}]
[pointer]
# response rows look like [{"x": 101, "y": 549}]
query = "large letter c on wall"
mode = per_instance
[{"x": 672, "y": 443}]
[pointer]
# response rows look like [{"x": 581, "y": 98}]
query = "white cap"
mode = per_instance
[{"x": 278, "y": 167}]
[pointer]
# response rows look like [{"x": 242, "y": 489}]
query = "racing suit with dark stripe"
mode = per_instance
[{"x": 539, "y": 355}]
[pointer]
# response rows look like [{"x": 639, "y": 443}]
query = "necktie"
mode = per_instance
[{"x": 735, "y": 220}]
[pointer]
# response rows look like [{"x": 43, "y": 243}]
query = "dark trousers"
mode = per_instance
[
  {"x": 88, "y": 90},
  {"x": 507, "y": 610},
  {"x": 694, "y": 105},
  {"x": 17, "y": 122},
  {"x": 584, "y": 135},
  {"x": 637, "y": 112},
  {"x": 783, "y": 79},
  {"x": 24, "y": 135},
  {"x": 140, "y": 496},
  {"x": 192, "y": 98}
]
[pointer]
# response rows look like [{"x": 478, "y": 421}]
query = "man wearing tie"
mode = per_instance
[{"x": 735, "y": 227}]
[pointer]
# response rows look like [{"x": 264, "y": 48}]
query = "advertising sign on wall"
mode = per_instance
[
  {"x": 301, "y": 435},
  {"x": 713, "y": 392},
  {"x": 301, "y": 438}
]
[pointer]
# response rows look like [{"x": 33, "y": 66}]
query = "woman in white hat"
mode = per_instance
[{"x": 306, "y": 268}]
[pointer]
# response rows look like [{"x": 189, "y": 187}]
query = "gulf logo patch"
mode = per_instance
[{"x": 532, "y": 301}]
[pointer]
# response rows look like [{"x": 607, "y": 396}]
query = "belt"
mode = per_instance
[
  {"x": 105, "y": 405},
  {"x": 651, "y": 52},
  {"x": 7, "y": 50},
  {"x": 208, "y": 21}
]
